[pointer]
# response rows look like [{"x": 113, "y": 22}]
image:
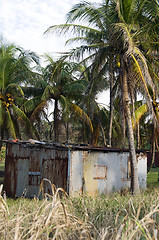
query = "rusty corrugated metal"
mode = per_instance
[
  {"x": 54, "y": 168},
  {"x": 27, "y": 164},
  {"x": 17, "y": 158}
]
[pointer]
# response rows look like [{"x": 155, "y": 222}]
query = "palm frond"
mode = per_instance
[
  {"x": 10, "y": 125},
  {"x": 82, "y": 115},
  {"x": 73, "y": 28},
  {"x": 30, "y": 105},
  {"x": 35, "y": 90},
  {"x": 147, "y": 94},
  {"x": 14, "y": 89},
  {"x": 39, "y": 109},
  {"x": 92, "y": 12},
  {"x": 22, "y": 116},
  {"x": 138, "y": 114},
  {"x": 2, "y": 113},
  {"x": 141, "y": 59},
  {"x": 19, "y": 101},
  {"x": 75, "y": 87},
  {"x": 64, "y": 102},
  {"x": 49, "y": 92}
]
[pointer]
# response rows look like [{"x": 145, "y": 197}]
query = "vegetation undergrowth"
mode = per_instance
[
  {"x": 2, "y": 154},
  {"x": 63, "y": 217},
  {"x": 2, "y": 163}
]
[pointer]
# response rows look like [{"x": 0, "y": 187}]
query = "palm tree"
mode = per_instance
[
  {"x": 14, "y": 68},
  {"x": 64, "y": 88},
  {"x": 89, "y": 101},
  {"x": 119, "y": 28}
]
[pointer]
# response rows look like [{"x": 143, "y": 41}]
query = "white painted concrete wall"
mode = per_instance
[
  {"x": 142, "y": 170},
  {"x": 87, "y": 172}
]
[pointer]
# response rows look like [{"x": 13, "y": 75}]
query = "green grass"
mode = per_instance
[
  {"x": 152, "y": 178},
  {"x": 154, "y": 169}
]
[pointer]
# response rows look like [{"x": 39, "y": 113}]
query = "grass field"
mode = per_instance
[{"x": 152, "y": 178}]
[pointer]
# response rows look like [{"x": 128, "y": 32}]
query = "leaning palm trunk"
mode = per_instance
[
  {"x": 111, "y": 105},
  {"x": 153, "y": 148},
  {"x": 103, "y": 134},
  {"x": 138, "y": 135},
  {"x": 123, "y": 121},
  {"x": 56, "y": 122},
  {"x": 134, "y": 169}
]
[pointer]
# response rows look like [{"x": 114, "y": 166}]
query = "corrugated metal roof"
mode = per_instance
[{"x": 64, "y": 146}]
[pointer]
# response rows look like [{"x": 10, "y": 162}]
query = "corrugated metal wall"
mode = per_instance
[{"x": 27, "y": 165}]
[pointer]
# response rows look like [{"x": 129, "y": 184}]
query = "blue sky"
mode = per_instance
[{"x": 24, "y": 22}]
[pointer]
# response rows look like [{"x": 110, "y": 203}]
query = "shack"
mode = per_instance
[{"x": 75, "y": 168}]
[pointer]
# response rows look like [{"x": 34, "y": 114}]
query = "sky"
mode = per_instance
[{"x": 24, "y": 22}]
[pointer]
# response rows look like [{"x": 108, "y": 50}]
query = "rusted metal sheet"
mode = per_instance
[
  {"x": 16, "y": 165},
  {"x": 54, "y": 168},
  {"x": 27, "y": 165}
]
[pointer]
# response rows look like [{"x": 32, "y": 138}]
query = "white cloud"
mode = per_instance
[{"x": 24, "y": 22}]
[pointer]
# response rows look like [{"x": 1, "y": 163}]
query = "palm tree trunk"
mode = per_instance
[
  {"x": 138, "y": 135},
  {"x": 123, "y": 122},
  {"x": 134, "y": 169},
  {"x": 103, "y": 133},
  {"x": 124, "y": 129},
  {"x": 153, "y": 154},
  {"x": 67, "y": 131},
  {"x": 153, "y": 147},
  {"x": 83, "y": 132},
  {"x": 56, "y": 122},
  {"x": 111, "y": 105},
  {"x": 50, "y": 124}
]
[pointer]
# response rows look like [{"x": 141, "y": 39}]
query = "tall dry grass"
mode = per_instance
[
  {"x": 50, "y": 218},
  {"x": 61, "y": 217},
  {"x": 121, "y": 217}
]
